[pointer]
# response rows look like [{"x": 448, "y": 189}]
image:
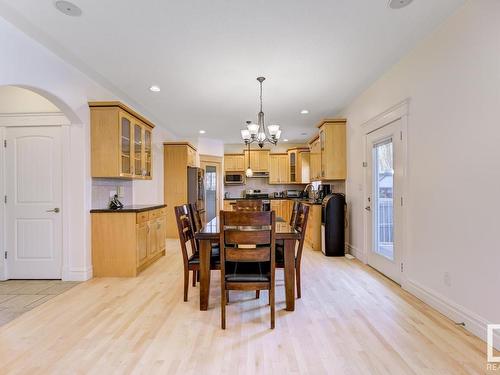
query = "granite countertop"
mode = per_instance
[
  {"x": 307, "y": 201},
  {"x": 131, "y": 208}
]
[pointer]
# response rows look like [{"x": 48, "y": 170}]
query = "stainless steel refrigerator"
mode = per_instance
[{"x": 196, "y": 188}]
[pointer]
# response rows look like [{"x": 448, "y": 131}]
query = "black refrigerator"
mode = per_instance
[
  {"x": 332, "y": 225},
  {"x": 196, "y": 188}
]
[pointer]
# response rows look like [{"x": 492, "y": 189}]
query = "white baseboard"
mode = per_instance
[
  {"x": 474, "y": 323},
  {"x": 357, "y": 253},
  {"x": 77, "y": 274}
]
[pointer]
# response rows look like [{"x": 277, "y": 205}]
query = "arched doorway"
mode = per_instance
[{"x": 34, "y": 131}]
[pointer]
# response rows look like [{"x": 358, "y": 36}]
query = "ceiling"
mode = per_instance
[{"x": 205, "y": 55}]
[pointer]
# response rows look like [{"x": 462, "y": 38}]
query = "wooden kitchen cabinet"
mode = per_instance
[
  {"x": 315, "y": 160},
  {"x": 332, "y": 137},
  {"x": 234, "y": 162},
  {"x": 229, "y": 204},
  {"x": 177, "y": 156},
  {"x": 282, "y": 207},
  {"x": 313, "y": 230},
  {"x": 278, "y": 169},
  {"x": 298, "y": 164},
  {"x": 121, "y": 142},
  {"x": 126, "y": 242},
  {"x": 259, "y": 160}
]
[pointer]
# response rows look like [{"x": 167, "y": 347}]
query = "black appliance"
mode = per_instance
[
  {"x": 332, "y": 225},
  {"x": 196, "y": 188},
  {"x": 256, "y": 194},
  {"x": 323, "y": 191}
]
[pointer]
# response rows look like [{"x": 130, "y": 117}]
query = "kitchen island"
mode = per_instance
[{"x": 128, "y": 240}]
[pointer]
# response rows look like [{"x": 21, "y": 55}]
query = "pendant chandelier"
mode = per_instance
[{"x": 258, "y": 133}]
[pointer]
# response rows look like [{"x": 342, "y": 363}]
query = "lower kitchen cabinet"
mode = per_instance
[
  {"x": 282, "y": 207},
  {"x": 228, "y": 205},
  {"x": 313, "y": 231},
  {"x": 126, "y": 242}
]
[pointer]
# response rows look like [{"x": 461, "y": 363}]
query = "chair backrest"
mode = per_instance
[
  {"x": 247, "y": 237},
  {"x": 301, "y": 226},
  {"x": 293, "y": 216},
  {"x": 186, "y": 230},
  {"x": 195, "y": 217},
  {"x": 248, "y": 205}
]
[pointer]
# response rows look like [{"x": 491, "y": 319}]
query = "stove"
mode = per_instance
[{"x": 257, "y": 196}]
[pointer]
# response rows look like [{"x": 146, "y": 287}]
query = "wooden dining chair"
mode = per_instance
[
  {"x": 300, "y": 226},
  {"x": 247, "y": 254},
  {"x": 293, "y": 215},
  {"x": 196, "y": 217},
  {"x": 186, "y": 234},
  {"x": 248, "y": 205}
]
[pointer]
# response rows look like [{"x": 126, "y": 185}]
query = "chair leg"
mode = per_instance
[
  {"x": 198, "y": 276},
  {"x": 223, "y": 308},
  {"x": 271, "y": 302},
  {"x": 186, "y": 284},
  {"x": 194, "y": 277},
  {"x": 257, "y": 294},
  {"x": 227, "y": 297},
  {"x": 297, "y": 279}
]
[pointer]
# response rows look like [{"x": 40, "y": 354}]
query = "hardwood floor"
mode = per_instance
[{"x": 350, "y": 320}]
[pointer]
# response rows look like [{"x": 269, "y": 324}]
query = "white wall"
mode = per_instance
[
  {"x": 19, "y": 100},
  {"x": 453, "y": 81}
]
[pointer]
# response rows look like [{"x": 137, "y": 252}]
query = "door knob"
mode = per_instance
[
  {"x": 368, "y": 208},
  {"x": 56, "y": 210}
]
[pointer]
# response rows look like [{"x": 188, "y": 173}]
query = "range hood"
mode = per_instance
[{"x": 260, "y": 175}]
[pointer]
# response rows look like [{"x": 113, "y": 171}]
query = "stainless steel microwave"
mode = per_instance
[{"x": 234, "y": 178}]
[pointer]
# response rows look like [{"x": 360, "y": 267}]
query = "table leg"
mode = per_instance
[
  {"x": 290, "y": 274},
  {"x": 205, "y": 250}
]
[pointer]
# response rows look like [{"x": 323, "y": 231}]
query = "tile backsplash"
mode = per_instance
[
  {"x": 236, "y": 191},
  {"x": 102, "y": 188}
]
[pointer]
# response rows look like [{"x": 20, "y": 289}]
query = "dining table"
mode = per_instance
[{"x": 210, "y": 233}]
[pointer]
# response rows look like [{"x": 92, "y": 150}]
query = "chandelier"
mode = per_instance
[{"x": 258, "y": 132}]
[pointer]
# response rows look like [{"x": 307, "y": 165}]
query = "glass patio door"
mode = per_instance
[{"x": 383, "y": 206}]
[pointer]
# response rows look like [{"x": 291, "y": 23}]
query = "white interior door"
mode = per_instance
[
  {"x": 33, "y": 209},
  {"x": 384, "y": 199}
]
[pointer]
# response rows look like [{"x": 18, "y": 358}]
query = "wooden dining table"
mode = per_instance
[{"x": 210, "y": 233}]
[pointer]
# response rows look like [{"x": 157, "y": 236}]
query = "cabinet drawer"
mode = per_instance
[
  {"x": 157, "y": 213},
  {"x": 142, "y": 217}
]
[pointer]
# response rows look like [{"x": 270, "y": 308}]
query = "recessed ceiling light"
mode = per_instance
[
  {"x": 398, "y": 4},
  {"x": 304, "y": 112},
  {"x": 68, "y": 8},
  {"x": 285, "y": 140},
  {"x": 154, "y": 88},
  {"x": 202, "y": 131}
]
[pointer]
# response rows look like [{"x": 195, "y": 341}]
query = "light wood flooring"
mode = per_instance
[{"x": 350, "y": 320}]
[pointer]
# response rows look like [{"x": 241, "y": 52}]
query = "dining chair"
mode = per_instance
[
  {"x": 293, "y": 215},
  {"x": 196, "y": 217},
  {"x": 247, "y": 254},
  {"x": 300, "y": 226},
  {"x": 248, "y": 205},
  {"x": 186, "y": 234}
]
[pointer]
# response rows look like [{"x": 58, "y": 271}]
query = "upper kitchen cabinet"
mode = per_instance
[
  {"x": 259, "y": 160},
  {"x": 234, "y": 162},
  {"x": 332, "y": 137},
  {"x": 278, "y": 169},
  {"x": 315, "y": 159},
  {"x": 298, "y": 164},
  {"x": 121, "y": 142}
]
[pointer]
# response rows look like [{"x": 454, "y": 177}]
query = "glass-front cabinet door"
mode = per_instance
[
  {"x": 147, "y": 152},
  {"x": 138, "y": 142},
  {"x": 125, "y": 142},
  {"x": 292, "y": 162}
]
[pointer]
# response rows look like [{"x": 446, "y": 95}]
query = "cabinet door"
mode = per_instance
[
  {"x": 263, "y": 161},
  {"x": 283, "y": 169},
  {"x": 239, "y": 162},
  {"x": 161, "y": 232},
  {"x": 274, "y": 169},
  {"x": 148, "y": 152},
  {"x": 293, "y": 166},
  {"x": 137, "y": 153},
  {"x": 142, "y": 233},
  {"x": 153, "y": 237},
  {"x": 125, "y": 145},
  {"x": 276, "y": 207},
  {"x": 334, "y": 151},
  {"x": 229, "y": 163}
]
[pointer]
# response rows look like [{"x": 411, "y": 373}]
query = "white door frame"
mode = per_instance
[
  {"x": 33, "y": 120},
  {"x": 398, "y": 112}
]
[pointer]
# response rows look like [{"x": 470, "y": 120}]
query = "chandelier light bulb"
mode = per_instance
[{"x": 245, "y": 134}]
